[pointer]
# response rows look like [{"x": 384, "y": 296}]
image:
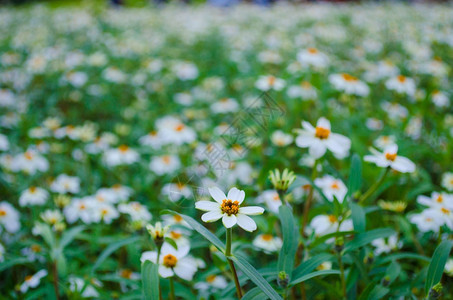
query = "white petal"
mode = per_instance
[
  {"x": 323, "y": 122},
  {"x": 165, "y": 272},
  {"x": 403, "y": 164},
  {"x": 217, "y": 194},
  {"x": 229, "y": 221},
  {"x": 246, "y": 223},
  {"x": 233, "y": 194},
  {"x": 149, "y": 255},
  {"x": 185, "y": 268},
  {"x": 251, "y": 210},
  {"x": 317, "y": 149},
  {"x": 211, "y": 216},
  {"x": 206, "y": 205},
  {"x": 307, "y": 126}
]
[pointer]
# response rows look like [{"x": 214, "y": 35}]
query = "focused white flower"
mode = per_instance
[
  {"x": 33, "y": 196},
  {"x": 383, "y": 246},
  {"x": 123, "y": 155},
  {"x": 267, "y": 242},
  {"x": 228, "y": 208},
  {"x": 401, "y": 84},
  {"x": 389, "y": 158},
  {"x": 9, "y": 217},
  {"x": 447, "y": 181},
  {"x": 165, "y": 164},
  {"x": 349, "y": 84},
  {"x": 266, "y": 83},
  {"x": 332, "y": 187},
  {"x": 135, "y": 210},
  {"x": 32, "y": 281},
  {"x": 172, "y": 261},
  {"x": 281, "y": 139},
  {"x": 318, "y": 139},
  {"x": 312, "y": 57},
  {"x": 64, "y": 184}
]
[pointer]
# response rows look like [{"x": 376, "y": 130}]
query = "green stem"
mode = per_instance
[
  {"x": 309, "y": 198},
  {"x": 55, "y": 279},
  {"x": 374, "y": 187},
  {"x": 229, "y": 239},
  {"x": 157, "y": 260},
  {"x": 172, "y": 289},
  {"x": 343, "y": 281}
]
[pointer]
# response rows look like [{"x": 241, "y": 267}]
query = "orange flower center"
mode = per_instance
[
  {"x": 322, "y": 133},
  {"x": 126, "y": 273},
  {"x": 276, "y": 197},
  {"x": 179, "y": 127},
  {"x": 229, "y": 207},
  {"x": 271, "y": 80},
  {"x": 390, "y": 156},
  {"x": 35, "y": 248},
  {"x": 166, "y": 159},
  {"x": 32, "y": 189},
  {"x": 335, "y": 185},
  {"x": 401, "y": 78},
  {"x": 177, "y": 218},
  {"x": 170, "y": 261},
  {"x": 123, "y": 148},
  {"x": 82, "y": 206},
  {"x": 332, "y": 219},
  {"x": 445, "y": 211},
  {"x": 28, "y": 155},
  {"x": 312, "y": 50},
  {"x": 28, "y": 277},
  {"x": 266, "y": 237},
  {"x": 210, "y": 278},
  {"x": 440, "y": 199},
  {"x": 348, "y": 77},
  {"x": 175, "y": 235},
  {"x": 104, "y": 212}
]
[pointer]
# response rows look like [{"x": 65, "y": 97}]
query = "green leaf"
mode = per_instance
[
  {"x": 311, "y": 275},
  {"x": 355, "y": 175},
  {"x": 324, "y": 238},
  {"x": 308, "y": 265},
  {"x": 254, "y": 276},
  {"x": 112, "y": 248},
  {"x": 358, "y": 217},
  {"x": 437, "y": 264},
  {"x": 254, "y": 294},
  {"x": 8, "y": 263},
  {"x": 393, "y": 271},
  {"x": 290, "y": 240},
  {"x": 201, "y": 230},
  {"x": 378, "y": 292},
  {"x": 150, "y": 280},
  {"x": 47, "y": 234},
  {"x": 69, "y": 235},
  {"x": 402, "y": 255},
  {"x": 365, "y": 238}
]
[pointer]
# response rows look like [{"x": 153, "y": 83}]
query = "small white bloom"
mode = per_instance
[
  {"x": 123, "y": 155},
  {"x": 135, "y": 210},
  {"x": 32, "y": 281},
  {"x": 383, "y": 246},
  {"x": 325, "y": 224},
  {"x": 9, "y": 217},
  {"x": 332, "y": 187},
  {"x": 281, "y": 139},
  {"x": 165, "y": 164},
  {"x": 401, "y": 84},
  {"x": 33, "y": 196},
  {"x": 266, "y": 83},
  {"x": 349, "y": 84},
  {"x": 267, "y": 242},
  {"x": 64, "y": 184},
  {"x": 449, "y": 267},
  {"x": 312, "y": 57},
  {"x": 389, "y": 158},
  {"x": 447, "y": 181},
  {"x": 228, "y": 208}
]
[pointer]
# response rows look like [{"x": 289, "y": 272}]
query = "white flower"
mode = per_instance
[
  {"x": 173, "y": 131},
  {"x": 318, "y": 139},
  {"x": 2, "y": 253},
  {"x": 426, "y": 221},
  {"x": 332, "y": 187},
  {"x": 83, "y": 209},
  {"x": 313, "y": 57},
  {"x": 64, "y": 184},
  {"x": 123, "y": 155},
  {"x": 401, "y": 84},
  {"x": 176, "y": 191},
  {"x": 152, "y": 139},
  {"x": 325, "y": 224},
  {"x": 225, "y": 105},
  {"x": 385, "y": 247},
  {"x": 266, "y": 83},
  {"x": 229, "y": 209},
  {"x": 214, "y": 282},
  {"x": 51, "y": 217},
  {"x": 77, "y": 284},
  {"x": 440, "y": 99},
  {"x": 9, "y": 217},
  {"x": 32, "y": 281},
  {"x": 449, "y": 267},
  {"x": 135, "y": 210},
  {"x": 304, "y": 90},
  {"x": 4, "y": 143},
  {"x": 272, "y": 200},
  {"x": 447, "y": 181},
  {"x": 169, "y": 220},
  {"x": 33, "y": 196},
  {"x": 349, "y": 84},
  {"x": 30, "y": 162},
  {"x": 436, "y": 200},
  {"x": 165, "y": 164},
  {"x": 384, "y": 141},
  {"x": 122, "y": 192},
  {"x": 281, "y": 139},
  {"x": 374, "y": 124},
  {"x": 108, "y": 212},
  {"x": 390, "y": 159},
  {"x": 267, "y": 242},
  {"x": 172, "y": 261},
  {"x": 185, "y": 70}
]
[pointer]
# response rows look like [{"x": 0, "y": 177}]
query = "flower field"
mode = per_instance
[{"x": 288, "y": 152}]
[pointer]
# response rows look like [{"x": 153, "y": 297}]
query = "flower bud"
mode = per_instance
[{"x": 282, "y": 279}]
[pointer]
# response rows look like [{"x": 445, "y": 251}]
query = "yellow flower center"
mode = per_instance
[
  {"x": 126, "y": 273},
  {"x": 177, "y": 218},
  {"x": 322, "y": 133},
  {"x": 332, "y": 219},
  {"x": 211, "y": 278},
  {"x": 440, "y": 199},
  {"x": 179, "y": 127},
  {"x": 401, "y": 78},
  {"x": 170, "y": 261},
  {"x": 445, "y": 211},
  {"x": 123, "y": 148},
  {"x": 28, "y": 277},
  {"x": 390, "y": 156},
  {"x": 229, "y": 207},
  {"x": 166, "y": 159},
  {"x": 175, "y": 235},
  {"x": 32, "y": 189},
  {"x": 271, "y": 80},
  {"x": 266, "y": 237},
  {"x": 35, "y": 248},
  {"x": 348, "y": 77},
  {"x": 335, "y": 185},
  {"x": 312, "y": 50},
  {"x": 28, "y": 155}
]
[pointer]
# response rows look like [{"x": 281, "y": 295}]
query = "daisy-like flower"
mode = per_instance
[
  {"x": 426, "y": 221},
  {"x": 436, "y": 200},
  {"x": 349, "y": 84},
  {"x": 52, "y": 217},
  {"x": 389, "y": 158},
  {"x": 272, "y": 200},
  {"x": 447, "y": 181},
  {"x": 320, "y": 138},
  {"x": 312, "y": 57},
  {"x": 266, "y": 83},
  {"x": 332, "y": 187},
  {"x": 176, "y": 191},
  {"x": 440, "y": 99},
  {"x": 173, "y": 131},
  {"x": 304, "y": 90},
  {"x": 9, "y": 217},
  {"x": 384, "y": 141},
  {"x": 32, "y": 281},
  {"x": 152, "y": 139},
  {"x": 401, "y": 84},
  {"x": 4, "y": 143},
  {"x": 33, "y": 196},
  {"x": 449, "y": 267},
  {"x": 383, "y": 246},
  {"x": 172, "y": 261},
  {"x": 325, "y": 224},
  {"x": 213, "y": 283},
  {"x": 64, "y": 184},
  {"x": 165, "y": 164},
  {"x": 30, "y": 162},
  {"x": 225, "y": 105},
  {"x": 83, "y": 209},
  {"x": 228, "y": 208},
  {"x": 281, "y": 139},
  {"x": 169, "y": 220},
  {"x": 135, "y": 210},
  {"x": 123, "y": 155},
  {"x": 267, "y": 242}
]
